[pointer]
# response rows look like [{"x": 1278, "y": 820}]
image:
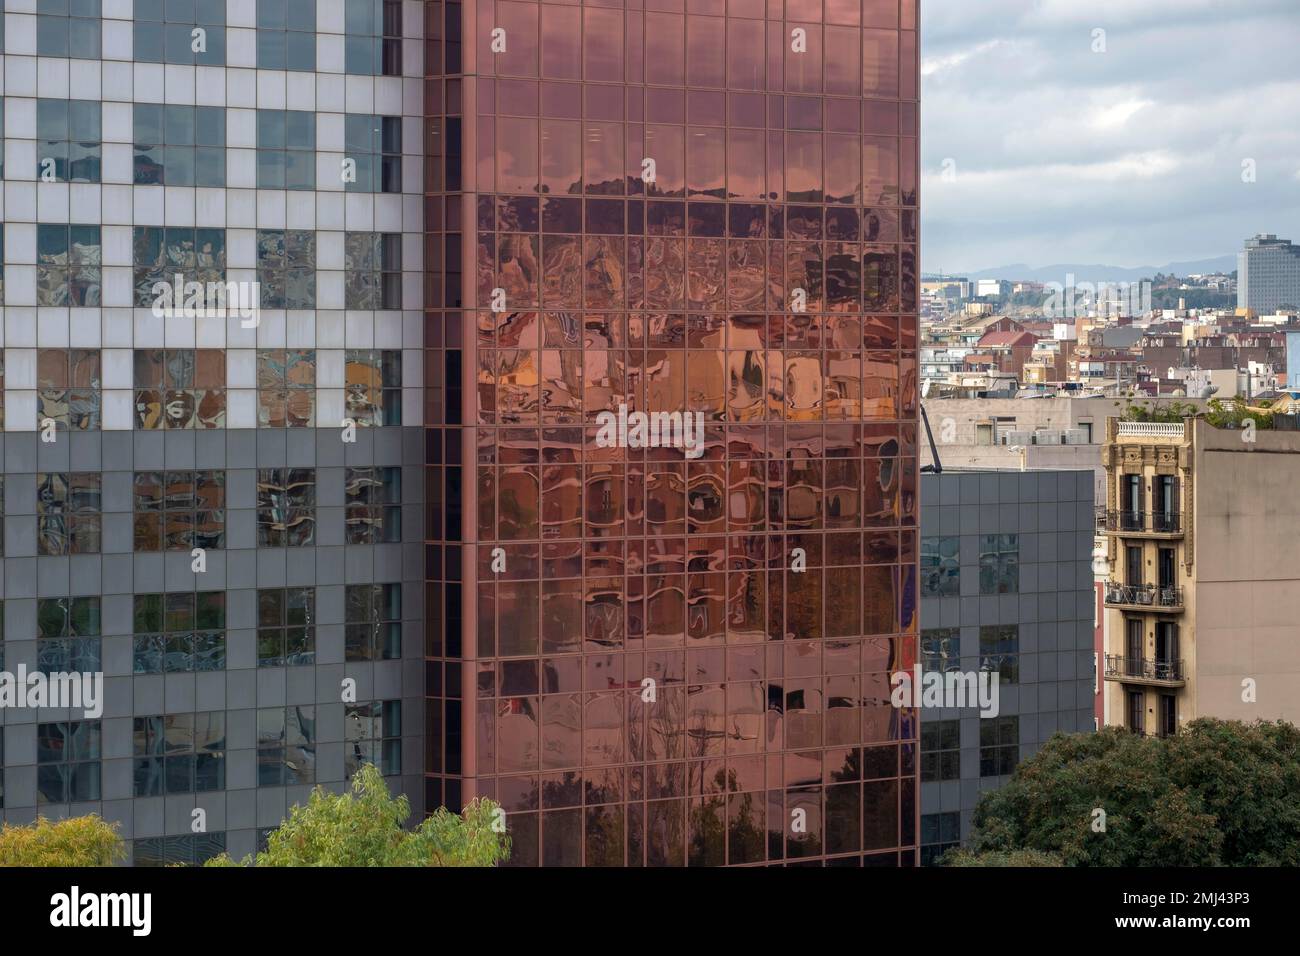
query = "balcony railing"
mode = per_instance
[
  {"x": 1144, "y": 669},
  {"x": 1151, "y": 429},
  {"x": 1125, "y": 520},
  {"x": 1144, "y": 595},
  {"x": 1163, "y": 522},
  {"x": 1144, "y": 522}
]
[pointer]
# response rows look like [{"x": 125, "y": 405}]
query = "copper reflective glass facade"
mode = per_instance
[{"x": 647, "y": 658}]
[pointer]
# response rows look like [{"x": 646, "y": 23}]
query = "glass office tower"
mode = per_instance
[{"x": 651, "y": 656}]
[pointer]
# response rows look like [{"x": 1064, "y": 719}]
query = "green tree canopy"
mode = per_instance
[
  {"x": 76, "y": 841},
  {"x": 1001, "y": 858},
  {"x": 1221, "y": 793},
  {"x": 364, "y": 828},
  {"x": 1233, "y": 413},
  {"x": 1171, "y": 413}
]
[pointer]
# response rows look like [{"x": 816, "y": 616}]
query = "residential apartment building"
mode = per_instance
[
  {"x": 649, "y": 658},
  {"x": 1202, "y": 595},
  {"x": 1007, "y": 589},
  {"x": 221, "y": 511}
]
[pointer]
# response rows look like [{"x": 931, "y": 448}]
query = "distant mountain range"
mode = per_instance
[{"x": 1084, "y": 272}]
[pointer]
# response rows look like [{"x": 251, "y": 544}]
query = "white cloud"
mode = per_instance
[
  {"x": 1131, "y": 157},
  {"x": 1117, "y": 114},
  {"x": 938, "y": 64}
]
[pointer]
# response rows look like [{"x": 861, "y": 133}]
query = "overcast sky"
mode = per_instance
[{"x": 1128, "y": 157}]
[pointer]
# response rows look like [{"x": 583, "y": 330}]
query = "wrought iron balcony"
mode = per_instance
[
  {"x": 1125, "y": 520},
  {"x": 1144, "y": 670},
  {"x": 1143, "y": 596},
  {"x": 1143, "y": 522},
  {"x": 1163, "y": 522}
]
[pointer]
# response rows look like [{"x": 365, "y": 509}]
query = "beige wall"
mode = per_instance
[
  {"x": 953, "y": 421},
  {"x": 1247, "y": 570},
  {"x": 1029, "y": 413}
]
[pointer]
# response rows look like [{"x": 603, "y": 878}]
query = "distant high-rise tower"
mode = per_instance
[
  {"x": 1268, "y": 275},
  {"x": 708, "y": 209}
]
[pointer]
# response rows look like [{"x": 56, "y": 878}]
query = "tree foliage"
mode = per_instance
[
  {"x": 76, "y": 841},
  {"x": 1193, "y": 298},
  {"x": 1171, "y": 413},
  {"x": 1015, "y": 858},
  {"x": 1233, "y": 413},
  {"x": 363, "y": 827},
  {"x": 1221, "y": 793}
]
